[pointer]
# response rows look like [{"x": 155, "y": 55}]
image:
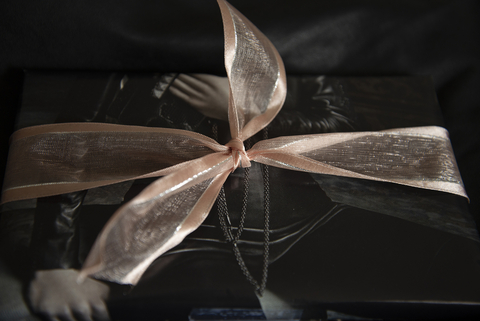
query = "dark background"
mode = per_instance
[{"x": 341, "y": 38}]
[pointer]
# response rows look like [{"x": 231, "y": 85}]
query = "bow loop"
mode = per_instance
[{"x": 256, "y": 75}]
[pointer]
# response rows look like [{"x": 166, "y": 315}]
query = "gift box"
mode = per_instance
[
  {"x": 339, "y": 247},
  {"x": 364, "y": 223}
]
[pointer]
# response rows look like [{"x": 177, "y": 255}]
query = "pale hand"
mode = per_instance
[
  {"x": 56, "y": 295},
  {"x": 206, "y": 93}
]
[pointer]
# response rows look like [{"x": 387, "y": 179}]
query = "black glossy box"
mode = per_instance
[{"x": 338, "y": 246}]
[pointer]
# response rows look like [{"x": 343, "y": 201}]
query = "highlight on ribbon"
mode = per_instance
[{"x": 54, "y": 159}]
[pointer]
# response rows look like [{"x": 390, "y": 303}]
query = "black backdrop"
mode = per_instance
[{"x": 354, "y": 38}]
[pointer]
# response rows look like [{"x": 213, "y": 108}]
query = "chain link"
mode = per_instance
[{"x": 226, "y": 225}]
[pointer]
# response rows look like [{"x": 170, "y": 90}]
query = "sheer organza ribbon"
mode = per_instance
[{"x": 60, "y": 158}]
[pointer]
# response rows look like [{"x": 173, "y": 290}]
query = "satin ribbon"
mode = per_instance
[{"x": 60, "y": 158}]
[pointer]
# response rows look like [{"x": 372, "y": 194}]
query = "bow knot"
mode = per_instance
[{"x": 237, "y": 148}]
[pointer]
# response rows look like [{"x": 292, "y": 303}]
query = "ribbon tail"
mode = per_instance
[
  {"x": 61, "y": 158},
  {"x": 156, "y": 220},
  {"x": 419, "y": 157}
]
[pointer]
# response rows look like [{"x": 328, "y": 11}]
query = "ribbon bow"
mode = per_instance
[{"x": 60, "y": 158}]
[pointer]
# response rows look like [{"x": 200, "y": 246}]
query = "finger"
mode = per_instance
[
  {"x": 196, "y": 82},
  {"x": 49, "y": 313},
  {"x": 82, "y": 312},
  {"x": 190, "y": 91},
  {"x": 180, "y": 94},
  {"x": 100, "y": 311},
  {"x": 210, "y": 80},
  {"x": 65, "y": 315}
]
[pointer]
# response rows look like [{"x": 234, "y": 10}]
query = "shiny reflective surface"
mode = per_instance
[{"x": 257, "y": 109}]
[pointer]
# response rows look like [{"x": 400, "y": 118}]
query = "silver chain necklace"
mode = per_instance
[{"x": 226, "y": 224}]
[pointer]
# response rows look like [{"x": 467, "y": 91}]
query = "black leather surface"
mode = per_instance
[
  {"x": 334, "y": 241},
  {"x": 437, "y": 38},
  {"x": 348, "y": 38}
]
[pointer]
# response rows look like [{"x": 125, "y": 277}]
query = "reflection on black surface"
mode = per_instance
[{"x": 332, "y": 239}]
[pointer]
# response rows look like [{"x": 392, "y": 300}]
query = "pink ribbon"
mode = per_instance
[{"x": 54, "y": 159}]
